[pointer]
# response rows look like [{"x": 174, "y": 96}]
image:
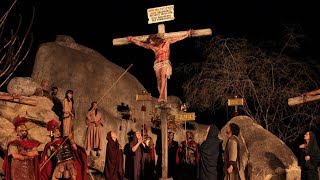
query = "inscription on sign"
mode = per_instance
[
  {"x": 143, "y": 97},
  {"x": 235, "y": 102},
  {"x": 160, "y": 14},
  {"x": 186, "y": 117}
]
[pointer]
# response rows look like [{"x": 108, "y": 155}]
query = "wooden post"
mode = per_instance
[
  {"x": 302, "y": 99},
  {"x": 164, "y": 138}
]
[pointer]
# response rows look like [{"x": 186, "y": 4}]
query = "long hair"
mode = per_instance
[
  {"x": 312, "y": 146},
  {"x": 66, "y": 96},
  {"x": 156, "y": 39},
  {"x": 235, "y": 129},
  {"x": 91, "y": 107}
]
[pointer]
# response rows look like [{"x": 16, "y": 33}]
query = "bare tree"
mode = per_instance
[
  {"x": 15, "y": 41},
  {"x": 264, "y": 79}
]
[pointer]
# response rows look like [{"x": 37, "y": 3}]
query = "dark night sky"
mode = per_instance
[{"x": 95, "y": 23}]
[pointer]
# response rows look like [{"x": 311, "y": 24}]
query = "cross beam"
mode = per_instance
[{"x": 161, "y": 30}]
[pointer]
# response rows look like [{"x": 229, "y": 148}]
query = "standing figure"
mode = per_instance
[
  {"x": 172, "y": 151},
  {"x": 233, "y": 168},
  {"x": 148, "y": 158},
  {"x": 57, "y": 104},
  {"x": 21, "y": 159},
  {"x": 135, "y": 146},
  {"x": 188, "y": 158},
  {"x": 68, "y": 113},
  {"x": 311, "y": 157},
  {"x": 162, "y": 65},
  {"x": 209, "y": 151},
  {"x": 129, "y": 156},
  {"x": 94, "y": 119},
  {"x": 113, "y": 169},
  {"x": 43, "y": 90},
  {"x": 62, "y": 158}
]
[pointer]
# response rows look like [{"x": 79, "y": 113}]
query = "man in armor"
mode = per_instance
[
  {"x": 21, "y": 159},
  {"x": 62, "y": 157}
]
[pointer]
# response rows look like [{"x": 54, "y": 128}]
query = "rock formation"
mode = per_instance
[
  {"x": 263, "y": 154},
  {"x": 68, "y": 65}
]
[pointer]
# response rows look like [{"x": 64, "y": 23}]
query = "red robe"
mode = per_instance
[
  {"x": 113, "y": 169},
  {"x": 26, "y": 144},
  {"x": 79, "y": 158}
]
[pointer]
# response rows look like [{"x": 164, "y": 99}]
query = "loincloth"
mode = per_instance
[{"x": 167, "y": 64}]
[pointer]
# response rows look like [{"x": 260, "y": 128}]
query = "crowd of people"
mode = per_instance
[{"x": 62, "y": 158}]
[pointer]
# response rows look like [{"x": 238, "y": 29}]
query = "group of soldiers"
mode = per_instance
[{"x": 60, "y": 158}]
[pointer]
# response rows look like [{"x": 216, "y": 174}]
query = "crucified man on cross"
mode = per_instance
[{"x": 162, "y": 66}]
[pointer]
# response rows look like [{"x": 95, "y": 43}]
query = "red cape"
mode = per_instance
[
  {"x": 80, "y": 160},
  {"x": 28, "y": 144}
]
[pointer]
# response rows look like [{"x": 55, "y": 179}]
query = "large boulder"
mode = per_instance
[
  {"x": 69, "y": 65},
  {"x": 24, "y": 86},
  {"x": 263, "y": 154},
  {"x": 38, "y": 116}
]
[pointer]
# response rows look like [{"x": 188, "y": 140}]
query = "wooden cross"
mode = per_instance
[
  {"x": 163, "y": 112},
  {"x": 161, "y": 30},
  {"x": 304, "y": 98}
]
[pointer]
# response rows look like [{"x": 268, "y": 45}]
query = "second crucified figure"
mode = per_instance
[{"x": 162, "y": 66}]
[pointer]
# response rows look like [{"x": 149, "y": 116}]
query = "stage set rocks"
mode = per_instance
[{"x": 71, "y": 66}]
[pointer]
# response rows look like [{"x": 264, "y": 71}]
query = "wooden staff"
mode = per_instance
[
  {"x": 113, "y": 85},
  {"x": 18, "y": 99}
]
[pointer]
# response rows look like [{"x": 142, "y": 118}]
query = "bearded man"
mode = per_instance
[{"x": 21, "y": 159}]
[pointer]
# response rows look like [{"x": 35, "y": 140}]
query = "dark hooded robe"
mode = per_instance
[
  {"x": 309, "y": 168},
  {"x": 113, "y": 169},
  {"x": 209, "y": 151},
  {"x": 129, "y": 157}
]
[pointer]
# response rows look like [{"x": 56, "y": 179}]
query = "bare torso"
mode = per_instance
[{"x": 162, "y": 52}]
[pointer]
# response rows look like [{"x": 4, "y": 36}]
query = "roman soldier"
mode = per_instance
[
  {"x": 62, "y": 157},
  {"x": 21, "y": 159}
]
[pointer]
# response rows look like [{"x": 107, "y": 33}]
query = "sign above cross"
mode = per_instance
[
  {"x": 162, "y": 60},
  {"x": 160, "y": 14}
]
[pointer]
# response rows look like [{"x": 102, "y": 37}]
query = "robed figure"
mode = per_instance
[
  {"x": 135, "y": 147},
  {"x": 209, "y": 151},
  {"x": 311, "y": 157},
  {"x": 113, "y": 169}
]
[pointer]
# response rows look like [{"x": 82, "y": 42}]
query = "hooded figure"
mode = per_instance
[
  {"x": 209, "y": 151},
  {"x": 113, "y": 169}
]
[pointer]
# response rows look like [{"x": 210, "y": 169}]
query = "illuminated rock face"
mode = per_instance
[
  {"x": 264, "y": 155},
  {"x": 69, "y": 65}
]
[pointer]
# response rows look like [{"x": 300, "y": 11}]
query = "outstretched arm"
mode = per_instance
[
  {"x": 139, "y": 43},
  {"x": 175, "y": 39},
  {"x": 312, "y": 93}
]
